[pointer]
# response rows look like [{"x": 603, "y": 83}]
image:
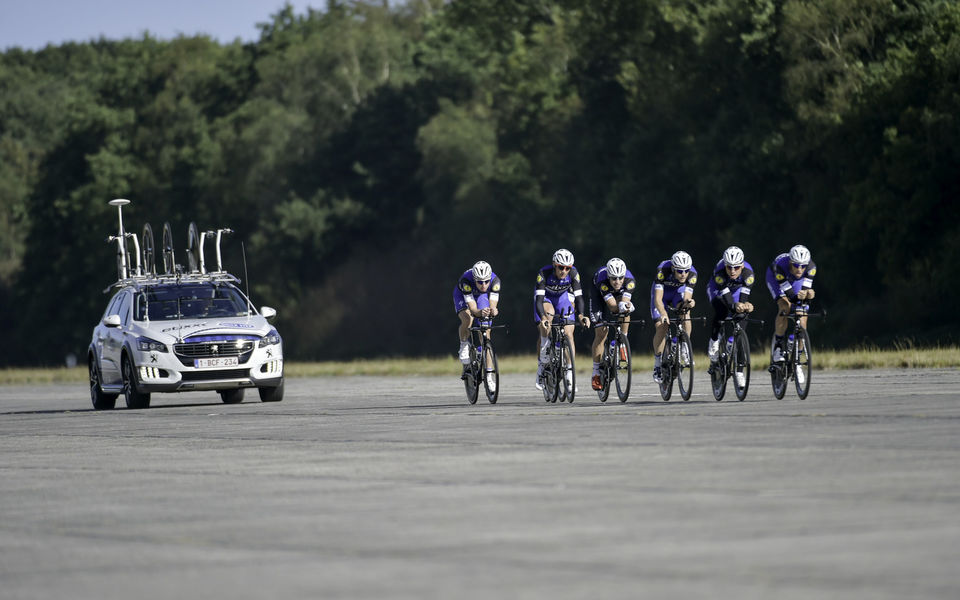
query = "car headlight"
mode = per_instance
[
  {"x": 145, "y": 344},
  {"x": 270, "y": 339}
]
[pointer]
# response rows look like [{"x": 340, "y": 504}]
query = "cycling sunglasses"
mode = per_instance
[
  {"x": 562, "y": 267},
  {"x": 798, "y": 266},
  {"x": 485, "y": 282},
  {"x": 681, "y": 271}
]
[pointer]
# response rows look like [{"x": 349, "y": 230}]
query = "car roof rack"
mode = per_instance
[{"x": 142, "y": 270}]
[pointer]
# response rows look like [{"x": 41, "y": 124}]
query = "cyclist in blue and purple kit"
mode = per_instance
[
  {"x": 672, "y": 285},
  {"x": 729, "y": 293},
  {"x": 557, "y": 292},
  {"x": 790, "y": 281},
  {"x": 475, "y": 297}
]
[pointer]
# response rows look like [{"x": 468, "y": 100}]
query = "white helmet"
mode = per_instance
[
  {"x": 563, "y": 257},
  {"x": 800, "y": 255},
  {"x": 681, "y": 260},
  {"x": 733, "y": 257},
  {"x": 482, "y": 271},
  {"x": 616, "y": 268}
]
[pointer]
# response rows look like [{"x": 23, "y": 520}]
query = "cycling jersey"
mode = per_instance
[
  {"x": 782, "y": 283},
  {"x": 673, "y": 290},
  {"x": 467, "y": 291},
  {"x": 730, "y": 290},
  {"x": 564, "y": 293},
  {"x": 602, "y": 290}
]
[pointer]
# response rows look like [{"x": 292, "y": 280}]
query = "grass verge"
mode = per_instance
[{"x": 901, "y": 357}]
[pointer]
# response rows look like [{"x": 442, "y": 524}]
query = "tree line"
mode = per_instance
[{"x": 366, "y": 154}]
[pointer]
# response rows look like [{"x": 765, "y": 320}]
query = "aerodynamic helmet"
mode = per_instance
[
  {"x": 800, "y": 255},
  {"x": 482, "y": 271},
  {"x": 616, "y": 268},
  {"x": 733, "y": 256},
  {"x": 681, "y": 260},
  {"x": 563, "y": 257}
]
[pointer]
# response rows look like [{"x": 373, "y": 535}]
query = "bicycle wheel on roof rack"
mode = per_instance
[
  {"x": 148, "y": 254},
  {"x": 169, "y": 262},
  {"x": 193, "y": 248}
]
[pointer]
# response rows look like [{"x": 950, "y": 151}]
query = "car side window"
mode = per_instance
[
  {"x": 124, "y": 310},
  {"x": 112, "y": 305}
]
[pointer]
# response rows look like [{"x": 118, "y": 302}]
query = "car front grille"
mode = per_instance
[
  {"x": 215, "y": 347},
  {"x": 216, "y": 375}
]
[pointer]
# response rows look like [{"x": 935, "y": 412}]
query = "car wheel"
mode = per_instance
[
  {"x": 134, "y": 398},
  {"x": 234, "y": 396},
  {"x": 271, "y": 394},
  {"x": 101, "y": 400}
]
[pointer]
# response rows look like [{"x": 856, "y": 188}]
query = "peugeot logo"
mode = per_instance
[{"x": 215, "y": 349}]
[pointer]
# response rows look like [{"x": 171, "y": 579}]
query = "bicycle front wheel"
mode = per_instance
[
  {"x": 718, "y": 376},
  {"x": 569, "y": 373},
  {"x": 605, "y": 372},
  {"x": 471, "y": 376},
  {"x": 740, "y": 362},
  {"x": 491, "y": 378},
  {"x": 802, "y": 363},
  {"x": 667, "y": 370},
  {"x": 778, "y": 377},
  {"x": 551, "y": 387},
  {"x": 623, "y": 373},
  {"x": 684, "y": 365}
]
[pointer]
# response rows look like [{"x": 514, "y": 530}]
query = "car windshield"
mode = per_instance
[{"x": 190, "y": 301}]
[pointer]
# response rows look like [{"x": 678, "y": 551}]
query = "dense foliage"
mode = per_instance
[{"x": 367, "y": 154}]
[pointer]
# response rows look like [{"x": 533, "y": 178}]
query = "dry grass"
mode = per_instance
[{"x": 903, "y": 355}]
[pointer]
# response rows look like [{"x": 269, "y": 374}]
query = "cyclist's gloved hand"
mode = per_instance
[{"x": 622, "y": 306}]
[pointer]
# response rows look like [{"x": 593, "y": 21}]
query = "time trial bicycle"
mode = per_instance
[
  {"x": 733, "y": 360},
  {"x": 482, "y": 368}
]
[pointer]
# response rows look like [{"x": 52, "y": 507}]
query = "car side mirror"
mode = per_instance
[
  {"x": 267, "y": 312},
  {"x": 112, "y": 321}
]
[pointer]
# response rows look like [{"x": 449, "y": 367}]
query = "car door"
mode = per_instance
[{"x": 113, "y": 342}]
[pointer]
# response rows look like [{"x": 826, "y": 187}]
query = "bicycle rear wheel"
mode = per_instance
[
  {"x": 740, "y": 363},
  {"x": 491, "y": 372},
  {"x": 803, "y": 363},
  {"x": 684, "y": 365},
  {"x": 667, "y": 370},
  {"x": 471, "y": 382},
  {"x": 568, "y": 371},
  {"x": 623, "y": 373}
]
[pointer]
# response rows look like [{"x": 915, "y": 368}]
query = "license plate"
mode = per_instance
[{"x": 226, "y": 361}]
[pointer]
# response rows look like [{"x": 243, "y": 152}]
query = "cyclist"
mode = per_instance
[
  {"x": 673, "y": 285},
  {"x": 610, "y": 295},
  {"x": 790, "y": 281},
  {"x": 557, "y": 291},
  {"x": 476, "y": 296},
  {"x": 729, "y": 293}
]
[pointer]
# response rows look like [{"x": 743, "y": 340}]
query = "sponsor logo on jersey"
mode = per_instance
[
  {"x": 631, "y": 285},
  {"x": 693, "y": 279},
  {"x": 604, "y": 288},
  {"x": 496, "y": 287},
  {"x": 718, "y": 279},
  {"x": 466, "y": 287},
  {"x": 750, "y": 280},
  {"x": 660, "y": 275},
  {"x": 813, "y": 272},
  {"x": 577, "y": 276},
  {"x": 780, "y": 277},
  {"x": 539, "y": 278}
]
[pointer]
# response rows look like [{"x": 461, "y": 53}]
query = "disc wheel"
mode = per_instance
[
  {"x": 147, "y": 252},
  {"x": 740, "y": 362},
  {"x": 803, "y": 363},
  {"x": 684, "y": 364},
  {"x": 624, "y": 367},
  {"x": 193, "y": 248},
  {"x": 491, "y": 372},
  {"x": 169, "y": 261}
]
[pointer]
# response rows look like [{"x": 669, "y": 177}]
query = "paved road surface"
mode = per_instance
[{"x": 396, "y": 488}]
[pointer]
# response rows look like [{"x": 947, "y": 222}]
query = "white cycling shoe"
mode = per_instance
[
  {"x": 713, "y": 350},
  {"x": 778, "y": 355},
  {"x": 491, "y": 382},
  {"x": 539, "y": 379},
  {"x": 464, "y": 354}
]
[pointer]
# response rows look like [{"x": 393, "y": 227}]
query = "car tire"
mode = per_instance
[
  {"x": 234, "y": 396},
  {"x": 100, "y": 399},
  {"x": 134, "y": 397},
  {"x": 271, "y": 394}
]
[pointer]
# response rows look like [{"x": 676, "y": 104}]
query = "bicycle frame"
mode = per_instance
[
  {"x": 798, "y": 354},
  {"x": 555, "y": 370},
  {"x": 611, "y": 364},
  {"x": 673, "y": 366},
  {"x": 734, "y": 355},
  {"x": 483, "y": 361}
]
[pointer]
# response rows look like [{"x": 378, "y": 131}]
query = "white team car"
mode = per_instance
[{"x": 180, "y": 331}]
